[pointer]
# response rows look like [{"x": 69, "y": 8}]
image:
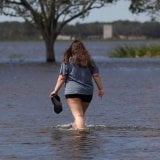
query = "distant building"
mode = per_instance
[
  {"x": 65, "y": 37},
  {"x": 107, "y": 31}
]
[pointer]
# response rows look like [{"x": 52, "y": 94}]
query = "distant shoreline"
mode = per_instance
[{"x": 85, "y": 40}]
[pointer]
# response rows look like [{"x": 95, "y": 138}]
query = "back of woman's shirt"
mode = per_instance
[{"x": 79, "y": 79}]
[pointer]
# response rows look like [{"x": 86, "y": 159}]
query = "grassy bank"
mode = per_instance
[{"x": 134, "y": 52}]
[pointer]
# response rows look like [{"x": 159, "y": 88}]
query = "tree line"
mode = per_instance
[{"x": 25, "y": 31}]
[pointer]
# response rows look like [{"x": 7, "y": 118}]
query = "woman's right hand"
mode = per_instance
[{"x": 53, "y": 93}]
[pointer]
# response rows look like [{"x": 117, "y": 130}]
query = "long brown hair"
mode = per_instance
[{"x": 79, "y": 53}]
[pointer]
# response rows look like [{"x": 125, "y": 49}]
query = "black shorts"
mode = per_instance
[{"x": 84, "y": 98}]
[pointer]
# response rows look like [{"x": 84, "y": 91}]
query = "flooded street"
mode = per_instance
[{"x": 123, "y": 125}]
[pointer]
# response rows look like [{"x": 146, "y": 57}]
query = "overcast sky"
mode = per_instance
[{"x": 110, "y": 13}]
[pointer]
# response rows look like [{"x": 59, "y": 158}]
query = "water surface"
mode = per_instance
[
  {"x": 35, "y": 51},
  {"x": 123, "y": 125}
]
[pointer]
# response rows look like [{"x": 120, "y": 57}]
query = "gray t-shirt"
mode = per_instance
[{"x": 79, "y": 79}]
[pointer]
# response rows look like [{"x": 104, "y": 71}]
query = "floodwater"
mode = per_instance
[
  {"x": 35, "y": 51},
  {"x": 123, "y": 125}
]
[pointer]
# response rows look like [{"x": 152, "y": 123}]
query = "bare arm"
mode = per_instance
[
  {"x": 98, "y": 82},
  {"x": 60, "y": 81}
]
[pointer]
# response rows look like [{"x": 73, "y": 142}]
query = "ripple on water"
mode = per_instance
[{"x": 129, "y": 131}]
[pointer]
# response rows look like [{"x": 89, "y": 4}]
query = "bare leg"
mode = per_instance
[
  {"x": 76, "y": 107},
  {"x": 84, "y": 107}
]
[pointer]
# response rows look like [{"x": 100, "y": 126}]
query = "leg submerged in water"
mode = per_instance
[{"x": 78, "y": 109}]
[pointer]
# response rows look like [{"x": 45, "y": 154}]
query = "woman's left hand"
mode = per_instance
[{"x": 100, "y": 93}]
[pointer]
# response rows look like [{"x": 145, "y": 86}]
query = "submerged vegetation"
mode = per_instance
[{"x": 135, "y": 52}]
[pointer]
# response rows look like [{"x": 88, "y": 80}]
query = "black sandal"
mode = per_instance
[{"x": 57, "y": 104}]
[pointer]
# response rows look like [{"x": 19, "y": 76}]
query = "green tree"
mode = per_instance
[
  {"x": 50, "y": 16},
  {"x": 152, "y": 7}
]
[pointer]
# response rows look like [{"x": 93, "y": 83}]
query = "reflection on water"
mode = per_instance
[
  {"x": 98, "y": 141},
  {"x": 105, "y": 142},
  {"x": 74, "y": 145}
]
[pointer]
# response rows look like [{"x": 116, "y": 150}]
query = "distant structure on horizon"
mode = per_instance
[
  {"x": 107, "y": 31},
  {"x": 65, "y": 37}
]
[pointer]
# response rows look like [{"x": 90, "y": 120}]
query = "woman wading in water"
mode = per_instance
[{"x": 77, "y": 71}]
